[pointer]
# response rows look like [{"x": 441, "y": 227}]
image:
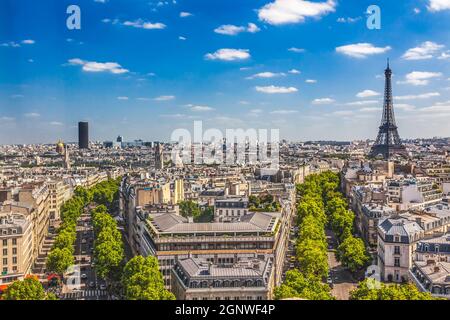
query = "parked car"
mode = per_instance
[
  {"x": 83, "y": 276},
  {"x": 102, "y": 287}
]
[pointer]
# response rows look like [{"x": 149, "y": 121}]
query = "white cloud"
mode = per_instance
[
  {"x": 139, "y": 23},
  {"x": 425, "y": 51},
  {"x": 418, "y": 96},
  {"x": 294, "y": 11},
  {"x": 228, "y": 54},
  {"x": 28, "y": 41},
  {"x": 361, "y": 50},
  {"x": 11, "y": 44},
  {"x": 32, "y": 115},
  {"x": 93, "y": 66},
  {"x": 164, "y": 98},
  {"x": 416, "y": 10},
  {"x": 367, "y": 93},
  {"x": 444, "y": 55},
  {"x": 348, "y": 19},
  {"x": 284, "y": 111},
  {"x": 231, "y": 30},
  {"x": 323, "y": 101},
  {"x": 122, "y": 98},
  {"x": 266, "y": 75},
  {"x": 184, "y": 14},
  {"x": 201, "y": 108},
  {"x": 438, "y": 5},
  {"x": 274, "y": 89},
  {"x": 419, "y": 78},
  {"x": 182, "y": 38},
  {"x": 296, "y": 50},
  {"x": 143, "y": 99},
  {"x": 362, "y": 103},
  {"x": 311, "y": 81},
  {"x": 294, "y": 71},
  {"x": 56, "y": 123}
]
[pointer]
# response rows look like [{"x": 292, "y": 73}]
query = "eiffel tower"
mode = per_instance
[{"x": 388, "y": 140}]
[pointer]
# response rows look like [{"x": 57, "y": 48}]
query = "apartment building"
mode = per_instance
[
  {"x": 246, "y": 279},
  {"x": 399, "y": 234},
  {"x": 16, "y": 246},
  {"x": 59, "y": 194},
  {"x": 413, "y": 193}
]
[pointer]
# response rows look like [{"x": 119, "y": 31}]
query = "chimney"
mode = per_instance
[{"x": 210, "y": 267}]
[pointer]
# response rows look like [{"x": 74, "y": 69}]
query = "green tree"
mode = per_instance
[
  {"x": 189, "y": 208},
  {"x": 352, "y": 253},
  {"x": 312, "y": 258},
  {"x": 27, "y": 289},
  {"x": 142, "y": 280},
  {"x": 297, "y": 285},
  {"x": 370, "y": 289},
  {"x": 58, "y": 260}
]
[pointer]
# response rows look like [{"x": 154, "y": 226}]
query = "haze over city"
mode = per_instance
[{"x": 142, "y": 71}]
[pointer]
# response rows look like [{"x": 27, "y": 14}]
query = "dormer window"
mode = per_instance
[{"x": 396, "y": 238}]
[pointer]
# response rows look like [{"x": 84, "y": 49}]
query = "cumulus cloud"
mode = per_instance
[
  {"x": 164, "y": 98},
  {"x": 28, "y": 41},
  {"x": 140, "y": 23},
  {"x": 93, "y": 66},
  {"x": 200, "y": 108},
  {"x": 296, "y": 50},
  {"x": 311, "y": 81},
  {"x": 419, "y": 78},
  {"x": 438, "y": 5},
  {"x": 185, "y": 14},
  {"x": 232, "y": 30},
  {"x": 361, "y": 50},
  {"x": 323, "y": 101},
  {"x": 425, "y": 51},
  {"x": 367, "y": 93},
  {"x": 266, "y": 75},
  {"x": 294, "y": 71},
  {"x": 229, "y": 54},
  {"x": 275, "y": 89},
  {"x": 122, "y": 98},
  {"x": 294, "y": 11}
]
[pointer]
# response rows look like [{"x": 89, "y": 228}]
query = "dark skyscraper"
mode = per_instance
[
  {"x": 388, "y": 140},
  {"x": 83, "y": 135}
]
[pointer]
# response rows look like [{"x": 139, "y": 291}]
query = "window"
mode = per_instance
[
  {"x": 5, "y": 242},
  {"x": 396, "y": 238},
  {"x": 397, "y": 262},
  {"x": 396, "y": 250},
  {"x": 14, "y": 260},
  {"x": 5, "y": 252},
  {"x": 5, "y": 261},
  {"x": 14, "y": 242},
  {"x": 14, "y": 250}
]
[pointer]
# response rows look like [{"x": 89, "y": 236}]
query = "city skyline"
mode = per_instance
[{"x": 145, "y": 70}]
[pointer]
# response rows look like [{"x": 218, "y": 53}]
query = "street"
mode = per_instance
[
  {"x": 90, "y": 288},
  {"x": 342, "y": 280}
]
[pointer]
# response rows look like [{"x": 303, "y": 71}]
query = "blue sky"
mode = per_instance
[{"x": 143, "y": 68}]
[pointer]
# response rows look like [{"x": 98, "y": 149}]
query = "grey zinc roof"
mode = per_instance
[
  {"x": 254, "y": 222},
  {"x": 399, "y": 226}
]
